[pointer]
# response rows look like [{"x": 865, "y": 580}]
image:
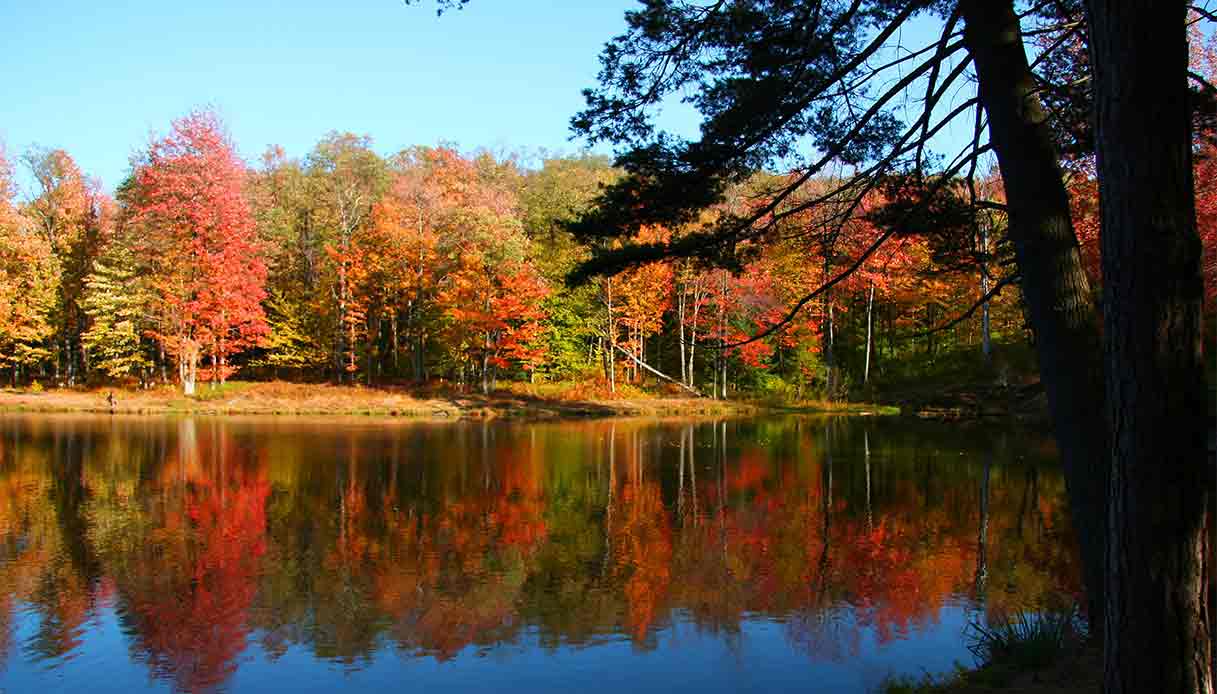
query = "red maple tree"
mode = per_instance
[{"x": 200, "y": 246}]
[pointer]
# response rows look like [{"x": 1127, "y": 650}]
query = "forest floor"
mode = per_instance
[{"x": 283, "y": 398}]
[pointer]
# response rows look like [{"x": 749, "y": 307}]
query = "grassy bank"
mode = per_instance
[
  {"x": 1028, "y": 653},
  {"x": 281, "y": 398},
  {"x": 1077, "y": 673}
]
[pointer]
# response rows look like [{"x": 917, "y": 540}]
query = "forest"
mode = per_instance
[{"x": 432, "y": 264}]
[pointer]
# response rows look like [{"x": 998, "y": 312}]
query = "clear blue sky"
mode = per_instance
[{"x": 96, "y": 78}]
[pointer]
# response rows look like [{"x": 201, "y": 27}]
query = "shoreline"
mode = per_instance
[
  {"x": 518, "y": 401},
  {"x": 284, "y": 399}
]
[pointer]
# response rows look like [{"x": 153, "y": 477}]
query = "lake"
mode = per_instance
[{"x": 248, "y": 554}]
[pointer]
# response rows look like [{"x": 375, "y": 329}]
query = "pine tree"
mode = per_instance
[{"x": 114, "y": 301}]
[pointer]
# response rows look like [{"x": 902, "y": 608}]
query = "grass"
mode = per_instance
[
  {"x": 1028, "y": 652},
  {"x": 925, "y": 684},
  {"x": 832, "y": 407},
  {"x": 589, "y": 397},
  {"x": 1027, "y": 640},
  {"x": 435, "y": 400}
]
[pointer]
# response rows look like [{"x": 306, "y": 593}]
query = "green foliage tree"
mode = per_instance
[
  {"x": 115, "y": 300},
  {"x": 550, "y": 198}
]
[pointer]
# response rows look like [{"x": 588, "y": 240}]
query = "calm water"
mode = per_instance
[{"x": 342, "y": 555}]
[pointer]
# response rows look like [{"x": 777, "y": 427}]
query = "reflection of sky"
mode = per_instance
[{"x": 760, "y": 658}]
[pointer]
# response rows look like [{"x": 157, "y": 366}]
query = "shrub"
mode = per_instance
[
  {"x": 773, "y": 388},
  {"x": 1026, "y": 640}
]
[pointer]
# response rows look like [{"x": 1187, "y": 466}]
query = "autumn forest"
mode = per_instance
[{"x": 430, "y": 263}]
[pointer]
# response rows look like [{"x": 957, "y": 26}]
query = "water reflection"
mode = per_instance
[{"x": 223, "y": 553}]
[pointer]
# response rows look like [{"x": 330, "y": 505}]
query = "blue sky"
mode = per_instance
[{"x": 97, "y": 78}]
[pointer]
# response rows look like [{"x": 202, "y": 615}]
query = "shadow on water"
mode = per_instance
[{"x": 746, "y": 554}]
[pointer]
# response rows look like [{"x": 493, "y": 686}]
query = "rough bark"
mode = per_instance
[
  {"x": 1062, "y": 314},
  {"x": 1157, "y": 619}
]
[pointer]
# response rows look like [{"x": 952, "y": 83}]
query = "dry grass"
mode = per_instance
[
  {"x": 279, "y": 397},
  {"x": 275, "y": 397}
]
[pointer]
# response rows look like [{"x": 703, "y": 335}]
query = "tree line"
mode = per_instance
[{"x": 432, "y": 264}]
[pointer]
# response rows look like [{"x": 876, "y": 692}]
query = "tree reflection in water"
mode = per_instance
[{"x": 346, "y": 540}]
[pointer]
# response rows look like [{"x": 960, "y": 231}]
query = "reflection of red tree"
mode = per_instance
[
  {"x": 192, "y": 609},
  {"x": 897, "y": 582},
  {"x": 518, "y": 510}
]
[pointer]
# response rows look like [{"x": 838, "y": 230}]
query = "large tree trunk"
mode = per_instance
[
  {"x": 640, "y": 362},
  {"x": 1157, "y": 621},
  {"x": 1055, "y": 287},
  {"x": 342, "y": 318},
  {"x": 223, "y": 362}
]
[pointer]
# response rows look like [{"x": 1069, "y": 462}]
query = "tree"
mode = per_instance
[
  {"x": 1161, "y": 482},
  {"x": 768, "y": 76},
  {"x": 115, "y": 300},
  {"x": 287, "y": 214},
  {"x": 550, "y": 197},
  {"x": 495, "y": 310},
  {"x": 198, "y": 246},
  {"x": 405, "y": 239},
  {"x": 642, "y": 295},
  {"x": 68, "y": 212},
  {"x": 29, "y": 278},
  {"x": 349, "y": 178}
]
